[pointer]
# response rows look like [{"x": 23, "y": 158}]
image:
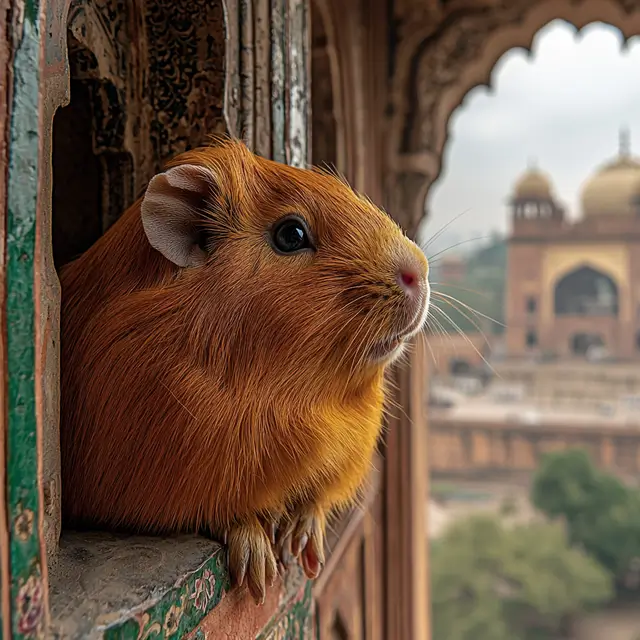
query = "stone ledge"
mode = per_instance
[{"x": 132, "y": 587}]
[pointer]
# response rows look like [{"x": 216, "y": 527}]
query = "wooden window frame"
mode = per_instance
[{"x": 270, "y": 47}]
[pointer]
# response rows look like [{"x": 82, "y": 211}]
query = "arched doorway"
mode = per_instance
[
  {"x": 582, "y": 343},
  {"x": 586, "y": 292}
]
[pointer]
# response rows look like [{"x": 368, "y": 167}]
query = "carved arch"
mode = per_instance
[{"x": 443, "y": 55}]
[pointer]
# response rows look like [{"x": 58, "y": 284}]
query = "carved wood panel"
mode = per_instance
[{"x": 349, "y": 594}]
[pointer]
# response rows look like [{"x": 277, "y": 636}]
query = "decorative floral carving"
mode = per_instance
[
  {"x": 172, "y": 619},
  {"x": 203, "y": 591},
  {"x": 186, "y": 72},
  {"x": 23, "y": 525},
  {"x": 294, "y": 623},
  {"x": 30, "y": 606},
  {"x": 178, "y": 611},
  {"x": 146, "y": 629}
]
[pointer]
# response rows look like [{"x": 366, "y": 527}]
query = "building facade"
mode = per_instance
[{"x": 572, "y": 283}]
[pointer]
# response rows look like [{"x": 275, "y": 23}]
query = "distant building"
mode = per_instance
[
  {"x": 452, "y": 269},
  {"x": 573, "y": 287}
]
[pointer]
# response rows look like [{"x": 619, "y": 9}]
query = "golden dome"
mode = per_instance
[
  {"x": 614, "y": 187},
  {"x": 533, "y": 184}
]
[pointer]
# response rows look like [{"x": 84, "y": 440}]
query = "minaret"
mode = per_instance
[
  {"x": 532, "y": 195},
  {"x": 624, "y": 142}
]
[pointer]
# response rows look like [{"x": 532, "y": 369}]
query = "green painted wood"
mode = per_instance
[
  {"x": 295, "y": 622},
  {"x": 178, "y": 611},
  {"x": 26, "y": 554}
]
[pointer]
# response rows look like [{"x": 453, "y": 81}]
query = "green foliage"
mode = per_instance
[
  {"x": 483, "y": 289},
  {"x": 443, "y": 490},
  {"x": 602, "y": 514},
  {"x": 509, "y": 506},
  {"x": 519, "y": 583}
]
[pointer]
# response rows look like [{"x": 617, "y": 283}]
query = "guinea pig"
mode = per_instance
[{"x": 224, "y": 346}]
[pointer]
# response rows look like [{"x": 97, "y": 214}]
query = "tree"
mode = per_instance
[
  {"x": 602, "y": 514},
  {"x": 510, "y": 583}
]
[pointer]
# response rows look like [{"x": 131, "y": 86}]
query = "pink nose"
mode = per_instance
[{"x": 409, "y": 281}]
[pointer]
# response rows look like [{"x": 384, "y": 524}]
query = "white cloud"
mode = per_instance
[{"x": 564, "y": 106}]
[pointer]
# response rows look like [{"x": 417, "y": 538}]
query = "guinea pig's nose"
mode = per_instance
[
  {"x": 411, "y": 277},
  {"x": 412, "y": 270},
  {"x": 409, "y": 280}
]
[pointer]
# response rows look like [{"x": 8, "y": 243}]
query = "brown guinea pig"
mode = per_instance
[{"x": 223, "y": 353}]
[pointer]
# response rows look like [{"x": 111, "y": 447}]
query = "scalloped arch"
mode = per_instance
[{"x": 438, "y": 62}]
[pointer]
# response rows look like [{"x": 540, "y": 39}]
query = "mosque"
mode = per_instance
[{"x": 573, "y": 286}]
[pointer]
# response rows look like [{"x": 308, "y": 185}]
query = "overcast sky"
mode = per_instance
[{"x": 562, "y": 106}]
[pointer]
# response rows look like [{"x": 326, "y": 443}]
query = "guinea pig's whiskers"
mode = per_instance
[
  {"x": 443, "y": 228},
  {"x": 368, "y": 342},
  {"x": 433, "y": 357},
  {"x": 442, "y": 296},
  {"x": 340, "y": 310},
  {"x": 464, "y": 335},
  {"x": 337, "y": 313},
  {"x": 369, "y": 328},
  {"x": 453, "y": 246},
  {"x": 461, "y": 311},
  {"x": 436, "y": 326},
  {"x": 435, "y": 329},
  {"x": 455, "y": 286}
]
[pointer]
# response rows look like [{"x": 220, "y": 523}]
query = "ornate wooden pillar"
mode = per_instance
[{"x": 406, "y": 491}]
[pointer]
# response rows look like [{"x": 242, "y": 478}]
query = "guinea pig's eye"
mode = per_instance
[{"x": 291, "y": 235}]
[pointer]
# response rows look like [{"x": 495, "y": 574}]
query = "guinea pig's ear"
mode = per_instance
[{"x": 172, "y": 212}]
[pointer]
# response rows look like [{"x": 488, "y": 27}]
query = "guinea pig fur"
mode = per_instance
[{"x": 223, "y": 353}]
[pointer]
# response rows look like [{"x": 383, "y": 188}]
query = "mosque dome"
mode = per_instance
[
  {"x": 533, "y": 183},
  {"x": 615, "y": 187}
]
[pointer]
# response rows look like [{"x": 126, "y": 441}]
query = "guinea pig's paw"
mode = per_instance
[
  {"x": 251, "y": 558},
  {"x": 305, "y": 531}
]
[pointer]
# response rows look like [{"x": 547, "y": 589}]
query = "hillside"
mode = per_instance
[{"x": 482, "y": 289}]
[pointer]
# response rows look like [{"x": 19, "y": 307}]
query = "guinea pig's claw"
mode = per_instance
[
  {"x": 283, "y": 539},
  {"x": 312, "y": 555},
  {"x": 270, "y": 528},
  {"x": 303, "y": 537},
  {"x": 298, "y": 544},
  {"x": 251, "y": 559},
  {"x": 310, "y": 560}
]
